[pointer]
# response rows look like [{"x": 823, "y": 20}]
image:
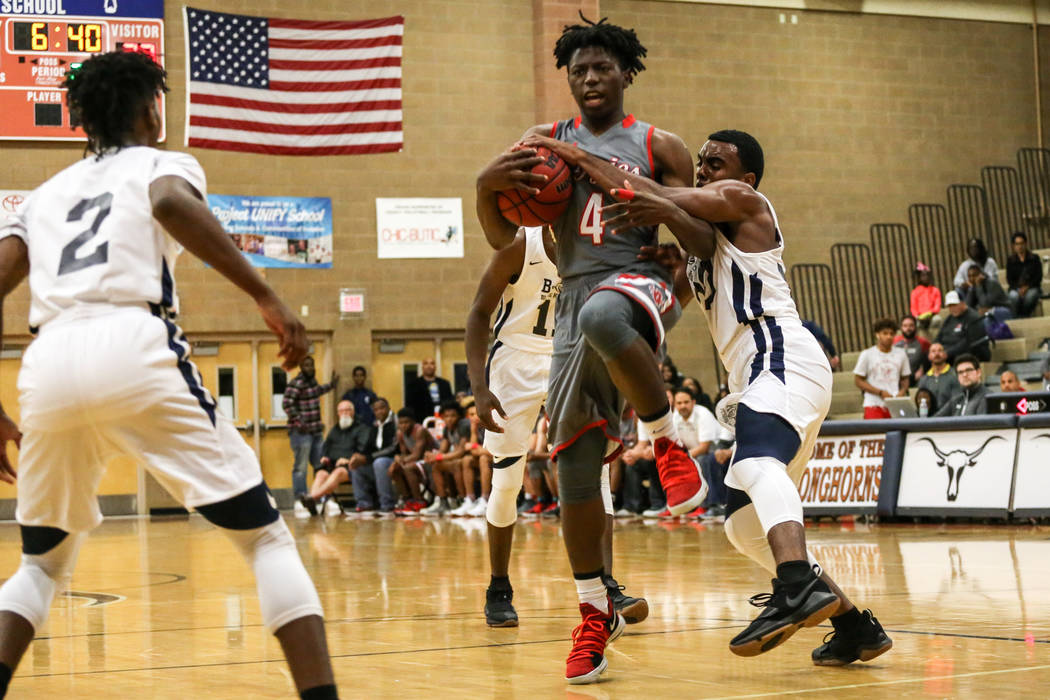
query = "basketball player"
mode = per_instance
[
  {"x": 779, "y": 377},
  {"x": 523, "y": 281},
  {"x": 611, "y": 316},
  {"x": 109, "y": 373}
]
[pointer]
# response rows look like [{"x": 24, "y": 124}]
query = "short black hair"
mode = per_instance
[
  {"x": 906, "y": 316},
  {"x": 105, "y": 92},
  {"x": 378, "y": 399},
  {"x": 451, "y": 404},
  {"x": 747, "y": 147},
  {"x": 622, "y": 44},
  {"x": 358, "y": 367},
  {"x": 967, "y": 357},
  {"x": 407, "y": 412},
  {"x": 884, "y": 324},
  {"x": 1019, "y": 234}
]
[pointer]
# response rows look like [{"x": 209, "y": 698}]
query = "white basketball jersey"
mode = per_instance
[
  {"x": 749, "y": 308},
  {"x": 91, "y": 234},
  {"x": 525, "y": 318}
]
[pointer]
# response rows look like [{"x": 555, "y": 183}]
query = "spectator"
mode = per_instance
[
  {"x": 723, "y": 391},
  {"x": 714, "y": 466},
  {"x": 346, "y": 449},
  {"x": 1044, "y": 370},
  {"x": 428, "y": 391},
  {"x": 978, "y": 256},
  {"x": 914, "y": 346},
  {"x": 1024, "y": 277},
  {"x": 939, "y": 380},
  {"x": 302, "y": 405},
  {"x": 692, "y": 384},
  {"x": 670, "y": 374},
  {"x": 639, "y": 466},
  {"x": 963, "y": 331},
  {"x": 361, "y": 396},
  {"x": 825, "y": 343},
  {"x": 482, "y": 458},
  {"x": 698, "y": 430},
  {"x": 447, "y": 463},
  {"x": 969, "y": 400},
  {"x": 542, "y": 473},
  {"x": 882, "y": 371},
  {"x": 1009, "y": 381},
  {"x": 925, "y": 298},
  {"x": 383, "y": 443},
  {"x": 987, "y": 297},
  {"x": 925, "y": 403},
  {"x": 406, "y": 470}
]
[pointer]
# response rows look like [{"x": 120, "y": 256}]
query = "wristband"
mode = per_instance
[
  {"x": 438, "y": 457},
  {"x": 474, "y": 446}
]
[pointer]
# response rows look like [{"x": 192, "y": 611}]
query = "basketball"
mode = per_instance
[{"x": 545, "y": 206}]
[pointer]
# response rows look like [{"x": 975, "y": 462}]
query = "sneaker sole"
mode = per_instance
[
  {"x": 775, "y": 637},
  {"x": 865, "y": 655},
  {"x": 502, "y": 623},
  {"x": 635, "y": 612},
  {"x": 590, "y": 677},
  {"x": 693, "y": 503}
]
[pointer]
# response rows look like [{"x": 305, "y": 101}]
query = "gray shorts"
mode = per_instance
[{"x": 581, "y": 394}]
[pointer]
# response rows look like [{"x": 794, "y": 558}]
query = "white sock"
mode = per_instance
[
  {"x": 662, "y": 427},
  {"x": 592, "y": 590}
]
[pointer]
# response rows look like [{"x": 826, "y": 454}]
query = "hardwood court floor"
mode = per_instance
[{"x": 166, "y": 609}]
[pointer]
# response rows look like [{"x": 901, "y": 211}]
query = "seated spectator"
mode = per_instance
[
  {"x": 723, "y": 391},
  {"x": 669, "y": 372},
  {"x": 406, "y": 470},
  {"x": 482, "y": 459},
  {"x": 692, "y": 384},
  {"x": 639, "y": 466},
  {"x": 939, "y": 380},
  {"x": 446, "y": 462},
  {"x": 987, "y": 297},
  {"x": 382, "y": 441},
  {"x": 970, "y": 399},
  {"x": 1024, "y": 277},
  {"x": 346, "y": 447},
  {"x": 361, "y": 396},
  {"x": 914, "y": 346},
  {"x": 882, "y": 371},
  {"x": 541, "y": 475},
  {"x": 978, "y": 256},
  {"x": 1009, "y": 381},
  {"x": 825, "y": 343},
  {"x": 697, "y": 429},
  {"x": 925, "y": 298},
  {"x": 925, "y": 403},
  {"x": 1044, "y": 370},
  {"x": 714, "y": 466},
  {"x": 963, "y": 331}
]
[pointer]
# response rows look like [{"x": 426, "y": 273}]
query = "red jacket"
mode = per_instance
[{"x": 925, "y": 300}]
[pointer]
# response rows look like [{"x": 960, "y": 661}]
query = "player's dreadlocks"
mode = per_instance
[
  {"x": 621, "y": 43},
  {"x": 105, "y": 93}
]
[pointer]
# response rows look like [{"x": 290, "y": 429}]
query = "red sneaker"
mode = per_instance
[
  {"x": 597, "y": 630},
  {"x": 536, "y": 509},
  {"x": 700, "y": 510},
  {"x": 680, "y": 477}
]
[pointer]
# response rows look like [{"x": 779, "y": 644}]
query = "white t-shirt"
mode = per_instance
[
  {"x": 883, "y": 370},
  {"x": 700, "y": 426}
]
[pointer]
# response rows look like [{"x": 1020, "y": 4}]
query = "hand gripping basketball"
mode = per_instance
[{"x": 546, "y": 205}]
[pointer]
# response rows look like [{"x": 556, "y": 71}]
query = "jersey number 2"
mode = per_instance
[
  {"x": 591, "y": 221},
  {"x": 69, "y": 262}
]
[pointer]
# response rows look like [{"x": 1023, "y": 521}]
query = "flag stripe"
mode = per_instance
[
  {"x": 365, "y": 75},
  {"x": 218, "y": 134},
  {"x": 335, "y": 43},
  {"x": 295, "y": 108},
  {"x": 307, "y": 129},
  {"x": 381, "y": 62},
  {"x": 322, "y": 25},
  {"x": 322, "y": 34},
  {"x": 332, "y": 87},
  {"x": 334, "y": 55},
  {"x": 271, "y": 117},
  {"x": 294, "y": 97},
  {"x": 294, "y": 150}
]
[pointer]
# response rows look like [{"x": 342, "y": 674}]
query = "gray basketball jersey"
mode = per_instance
[{"x": 584, "y": 246}]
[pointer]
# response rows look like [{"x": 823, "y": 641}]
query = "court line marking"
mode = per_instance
[{"x": 899, "y": 681}]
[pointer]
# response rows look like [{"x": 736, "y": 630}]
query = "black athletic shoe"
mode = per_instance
[
  {"x": 787, "y": 609},
  {"x": 498, "y": 609},
  {"x": 862, "y": 643},
  {"x": 309, "y": 503},
  {"x": 634, "y": 610}
]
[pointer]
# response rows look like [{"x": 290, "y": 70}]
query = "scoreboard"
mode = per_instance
[{"x": 40, "y": 40}]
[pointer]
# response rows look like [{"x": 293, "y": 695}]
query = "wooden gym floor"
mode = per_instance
[{"x": 166, "y": 609}]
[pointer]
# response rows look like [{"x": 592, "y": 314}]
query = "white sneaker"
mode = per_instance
[
  {"x": 300, "y": 511},
  {"x": 480, "y": 506},
  {"x": 331, "y": 507},
  {"x": 464, "y": 508},
  {"x": 435, "y": 508},
  {"x": 624, "y": 513}
]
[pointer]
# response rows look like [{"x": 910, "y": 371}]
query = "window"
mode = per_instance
[
  {"x": 278, "y": 381},
  {"x": 227, "y": 392}
]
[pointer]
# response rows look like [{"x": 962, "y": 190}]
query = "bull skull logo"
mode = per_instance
[{"x": 956, "y": 462}]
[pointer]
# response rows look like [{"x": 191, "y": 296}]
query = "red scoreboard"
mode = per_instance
[{"x": 40, "y": 40}]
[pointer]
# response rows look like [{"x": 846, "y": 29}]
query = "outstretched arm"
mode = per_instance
[
  {"x": 510, "y": 170},
  {"x": 14, "y": 266}
]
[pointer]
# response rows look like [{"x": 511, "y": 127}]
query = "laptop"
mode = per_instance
[{"x": 901, "y": 407}]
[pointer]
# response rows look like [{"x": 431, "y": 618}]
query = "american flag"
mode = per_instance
[{"x": 293, "y": 87}]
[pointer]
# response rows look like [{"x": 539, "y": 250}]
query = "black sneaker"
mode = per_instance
[
  {"x": 498, "y": 609},
  {"x": 309, "y": 503},
  {"x": 787, "y": 609},
  {"x": 634, "y": 610},
  {"x": 862, "y": 643}
]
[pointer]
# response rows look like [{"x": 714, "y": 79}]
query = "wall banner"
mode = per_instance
[
  {"x": 419, "y": 227},
  {"x": 843, "y": 475},
  {"x": 278, "y": 231}
]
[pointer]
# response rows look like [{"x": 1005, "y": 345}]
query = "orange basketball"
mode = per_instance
[{"x": 548, "y": 204}]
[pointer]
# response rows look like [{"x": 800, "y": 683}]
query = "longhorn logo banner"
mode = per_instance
[{"x": 965, "y": 470}]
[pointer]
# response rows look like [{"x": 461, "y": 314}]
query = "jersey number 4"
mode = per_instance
[
  {"x": 591, "y": 221},
  {"x": 69, "y": 262}
]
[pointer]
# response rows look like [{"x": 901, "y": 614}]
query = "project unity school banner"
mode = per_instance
[{"x": 278, "y": 231}]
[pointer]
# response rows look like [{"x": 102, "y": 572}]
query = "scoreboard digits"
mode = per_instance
[{"x": 37, "y": 37}]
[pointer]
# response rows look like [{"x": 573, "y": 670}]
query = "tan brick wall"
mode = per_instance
[{"x": 860, "y": 116}]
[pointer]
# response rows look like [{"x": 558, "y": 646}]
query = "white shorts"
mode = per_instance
[
  {"x": 96, "y": 386},
  {"x": 519, "y": 380}
]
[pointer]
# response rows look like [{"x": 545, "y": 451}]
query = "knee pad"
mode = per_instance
[
  {"x": 502, "y": 509},
  {"x": 252, "y": 509},
  {"x": 772, "y": 492},
  {"x": 745, "y": 533},
  {"x": 606, "y": 322},
  {"x": 286, "y": 592},
  {"x": 30, "y": 592},
  {"x": 580, "y": 468},
  {"x": 606, "y": 485}
]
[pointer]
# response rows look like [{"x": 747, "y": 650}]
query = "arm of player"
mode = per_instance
[
  {"x": 14, "y": 266},
  {"x": 672, "y": 157},
  {"x": 505, "y": 265},
  {"x": 181, "y": 211},
  {"x": 669, "y": 256},
  {"x": 510, "y": 170}
]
